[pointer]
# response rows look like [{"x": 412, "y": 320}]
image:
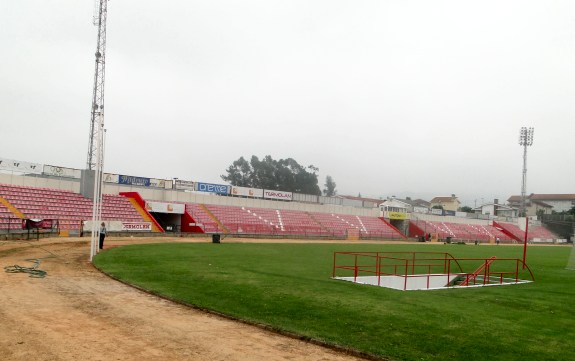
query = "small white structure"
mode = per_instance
[{"x": 407, "y": 271}]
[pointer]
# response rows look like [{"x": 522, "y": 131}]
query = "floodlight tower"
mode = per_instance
[
  {"x": 97, "y": 119},
  {"x": 95, "y": 160},
  {"x": 525, "y": 140}
]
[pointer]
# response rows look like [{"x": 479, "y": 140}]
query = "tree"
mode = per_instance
[
  {"x": 540, "y": 212},
  {"x": 239, "y": 173},
  {"x": 466, "y": 209},
  {"x": 329, "y": 190},
  {"x": 437, "y": 206},
  {"x": 268, "y": 173}
]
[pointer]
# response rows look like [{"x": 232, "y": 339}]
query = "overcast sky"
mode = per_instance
[{"x": 414, "y": 98}]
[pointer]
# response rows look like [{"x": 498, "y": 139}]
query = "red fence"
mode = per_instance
[{"x": 459, "y": 272}]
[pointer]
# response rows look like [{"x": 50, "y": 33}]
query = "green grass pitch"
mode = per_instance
[{"x": 288, "y": 287}]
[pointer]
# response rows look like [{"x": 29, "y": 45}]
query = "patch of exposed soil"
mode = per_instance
[{"x": 77, "y": 313}]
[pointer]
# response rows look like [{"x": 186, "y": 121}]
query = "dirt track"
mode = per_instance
[{"x": 77, "y": 313}]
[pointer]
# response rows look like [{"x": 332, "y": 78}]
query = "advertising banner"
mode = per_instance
[
  {"x": 437, "y": 211},
  {"x": 19, "y": 166},
  {"x": 213, "y": 188},
  {"x": 184, "y": 185},
  {"x": 134, "y": 181},
  {"x": 396, "y": 215},
  {"x": 163, "y": 207},
  {"x": 284, "y": 196},
  {"x": 158, "y": 183},
  {"x": 448, "y": 213},
  {"x": 247, "y": 192},
  {"x": 420, "y": 209},
  {"x": 111, "y": 178},
  {"x": 119, "y": 226},
  {"x": 137, "y": 226},
  {"x": 62, "y": 172}
]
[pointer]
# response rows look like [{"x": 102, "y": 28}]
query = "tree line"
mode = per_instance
[{"x": 283, "y": 174}]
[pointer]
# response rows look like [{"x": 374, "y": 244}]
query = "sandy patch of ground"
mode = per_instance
[{"x": 77, "y": 313}]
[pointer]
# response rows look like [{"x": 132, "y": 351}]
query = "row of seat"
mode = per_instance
[
  {"x": 69, "y": 208},
  {"x": 533, "y": 232},
  {"x": 462, "y": 231},
  {"x": 8, "y": 220},
  {"x": 220, "y": 218}
]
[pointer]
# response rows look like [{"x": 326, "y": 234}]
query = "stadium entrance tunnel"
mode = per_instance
[
  {"x": 409, "y": 271},
  {"x": 168, "y": 221}
]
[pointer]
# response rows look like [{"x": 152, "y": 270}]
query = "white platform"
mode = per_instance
[{"x": 418, "y": 282}]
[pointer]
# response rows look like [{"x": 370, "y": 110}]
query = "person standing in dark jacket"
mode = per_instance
[{"x": 102, "y": 234}]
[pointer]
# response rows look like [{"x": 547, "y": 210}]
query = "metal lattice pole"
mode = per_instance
[
  {"x": 96, "y": 142},
  {"x": 97, "y": 205},
  {"x": 97, "y": 113}
]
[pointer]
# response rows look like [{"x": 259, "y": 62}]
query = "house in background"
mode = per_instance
[
  {"x": 447, "y": 203},
  {"x": 496, "y": 210},
  {"x": 559, "y": 202},
  {"x": 545, "y": 203},
  {"x": 416, "y": 205}
]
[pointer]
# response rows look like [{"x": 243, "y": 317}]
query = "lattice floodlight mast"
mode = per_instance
[
  {"x": 96, "y": 143},
  {"x": 525, "y": 140},
  {"x": 97, "y": 119}
]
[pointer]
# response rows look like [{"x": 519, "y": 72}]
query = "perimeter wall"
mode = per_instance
[{"x": 168, "y": 195}]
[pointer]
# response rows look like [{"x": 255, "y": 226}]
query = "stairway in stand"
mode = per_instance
[
  {"x": 215, "y": 219},
  {"x": 318, "y": 222},
  {"x": 12, "y": 209},
  {"x": 144, "y": 214}
]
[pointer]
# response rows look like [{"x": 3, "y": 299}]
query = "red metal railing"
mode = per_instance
[
  {"x": 484, "y": 267},
  {"x": 429, "y": 264}
]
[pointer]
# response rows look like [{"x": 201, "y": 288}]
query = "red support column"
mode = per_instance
[
  {"x": 333, "y": 273},
  {"x": 525, "y": 242},
  {"x": 355, "y": 270}
]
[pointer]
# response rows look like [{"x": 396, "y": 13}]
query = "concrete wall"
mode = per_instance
[
  {"x": 41, "y": 182},
  {"x": 157, "y": 194}
]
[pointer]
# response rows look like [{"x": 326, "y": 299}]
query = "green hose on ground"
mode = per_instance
[{"x": 33, "y": 271}]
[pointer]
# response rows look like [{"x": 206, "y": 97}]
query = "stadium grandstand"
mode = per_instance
[{"x": 53, "y": 197}]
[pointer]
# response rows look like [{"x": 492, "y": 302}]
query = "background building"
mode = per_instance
[
  {"x": 447, "y": 203},
  {"x": 546, "y": 203}
]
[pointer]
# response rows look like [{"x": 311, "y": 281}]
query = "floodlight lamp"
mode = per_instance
[{"x": 526, "y": 136}]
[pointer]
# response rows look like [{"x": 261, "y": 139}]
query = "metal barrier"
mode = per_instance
[
  {"x": 432, "y": 267},
  {"x": 24, "y": 227}
]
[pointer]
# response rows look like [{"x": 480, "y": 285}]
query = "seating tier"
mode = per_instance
[
  {"x": 266, "y": 221},
  {"x": 461, "y": 231},
  {"x": 69, "y": 208}
]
